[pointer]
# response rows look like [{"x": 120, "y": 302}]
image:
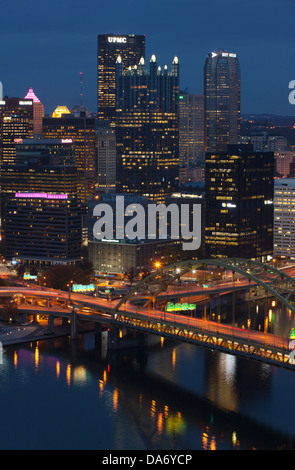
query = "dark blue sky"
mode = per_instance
[{"x": 45, "y": 44}]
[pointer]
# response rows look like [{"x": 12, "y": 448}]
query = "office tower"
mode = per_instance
[
  {"x": 41, "y": 213},
  {"x": 82, "y": 130},
  {"x": 147, "y": 129},
  {"x": 118, "y": 255},
  {"x": 46, "y": 165},
  {"x": 239, "y": 203},
  {"x": 130, "y": 48},
  {"x": 283, "y": 161},
  {"x": 42, "y": 229},
  {"x": 263, "y": 142},
  {"x": 38, "y": 111},
  {"x": 222, "y": 84},
  {"x": 16, "y": 122},
  {"x": 284, "y": 221},
  {"x": 106, "y": 159},
  {"x": 191, "y": 129}
]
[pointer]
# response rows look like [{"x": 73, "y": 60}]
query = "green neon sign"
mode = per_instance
[
  {"x": 171, "y": 307},
  {"x": 292, "y": 333}
]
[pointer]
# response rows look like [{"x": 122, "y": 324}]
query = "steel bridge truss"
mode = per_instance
[
  {"x": 214, "y": 340},
  {"x": 275, "y": 282}
]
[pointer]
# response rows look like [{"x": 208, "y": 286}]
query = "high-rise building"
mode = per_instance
[
  {"x": 38, "y": 111},
  {"x": 16, "y": 122},
  {"x": 130, "y": 48},
  {"x": 284, "y": 221},
  {"x": 82, "y": 131},
  {"x": 41, "y": 221},
  {"x": 191, "y": 129},
  {"x": 106, "y": 159},
  {"x": 239, "y": 203},
  {"x": 222, "y": 89},
  {"x": 147, "y": 129}
]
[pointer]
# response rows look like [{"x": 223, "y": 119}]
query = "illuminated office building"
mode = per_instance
[
  {"x": 239, "y": 203},
  {"x": 131, "y": 48},
  {"x": 42, "y": 229},
  {"x": 191, "y": 129},
  {"x": 82, "y": 130},
  {"x": 284, "y": 218},
  {"x": 222, "y": 88},
  {"x": 41, "y": 212},
  {"x": 38, "y": 111},
  {"x": 147, "y": 130},
  {"x": 16, "y": 122},
  {"x": 106, "y": 159}
]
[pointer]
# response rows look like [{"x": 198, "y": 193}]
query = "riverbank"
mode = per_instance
[{"x": 13, "y": 334}]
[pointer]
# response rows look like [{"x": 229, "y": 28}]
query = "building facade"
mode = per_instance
[
  {"x": 82, "y": 132},
  {"x": 41, "y": 214},
  {"x": 222, "y": 90},
  {"x": 191, "y": 129},
  {"x": 130, "y": 48},
  {"x": 16, "y": 122},
  {"x": 239, "y": 203},
  {"x": 284, "y": 218},
  {"x": 38, "y": 111},
  {"x": 147, "y": 129}
]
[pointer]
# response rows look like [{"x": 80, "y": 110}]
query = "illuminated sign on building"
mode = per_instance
[
  {"x": 26, "y": 103},
  {"x": 42, "y": 195},
  {"x": 66, "y": 141},
  {"x": 117, "y": 39},
  {"x": 228, "y": 54},
  {"x": 171, "y": 307},
  {"x": 83, "y": 288},
  {"x": 29, "y": 276}
]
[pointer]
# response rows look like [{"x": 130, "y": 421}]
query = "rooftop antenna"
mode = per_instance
[{"x": 81, "y": 89}]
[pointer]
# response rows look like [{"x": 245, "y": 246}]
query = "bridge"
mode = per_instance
[{"x": 146, "y": 309}]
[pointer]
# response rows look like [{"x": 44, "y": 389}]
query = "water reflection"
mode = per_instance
[{"x": 175, "y": 397}]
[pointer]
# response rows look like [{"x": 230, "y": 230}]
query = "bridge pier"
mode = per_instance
[
  {"x": 50, "y": 323},
  {"x": 133, "y": 339},
  {"x": 74, "y": 326}
]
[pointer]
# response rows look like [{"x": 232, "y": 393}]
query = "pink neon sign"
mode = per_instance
[{"x": 42, "y": 195}]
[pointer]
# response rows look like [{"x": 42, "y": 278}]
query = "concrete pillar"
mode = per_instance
[
  {"x": 74, "y": 328},
  {"x": 50, "y": 324}
]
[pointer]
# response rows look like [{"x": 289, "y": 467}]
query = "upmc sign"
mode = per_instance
[{"x": 117, "y": 39}]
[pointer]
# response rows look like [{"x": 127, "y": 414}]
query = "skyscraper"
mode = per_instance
[
  {"x": 41, "y": 221},
  {"x": 82, "y": 130},
  {"x": 16, "y": 122},
  {"x": 147, "y": 129},
  {"x": 239, "y": 203},
  {"x": 222, "y": 85},
  {"x": 38, "y": 111},
  {"x": 130, "y": 48},
  {"x": 191, "y": 129}
]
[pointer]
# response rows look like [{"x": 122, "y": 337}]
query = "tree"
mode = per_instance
[
  {"x": 131, "y": 274},
  {"x": 62, "y": 276}
]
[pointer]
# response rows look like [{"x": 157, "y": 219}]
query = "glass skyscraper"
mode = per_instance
[
  {"x": 147, "y": 129},
  {"x": 222, "y": 90},
  {"x": 130, "y": 48},
  {"x": 239, "y": 203}
]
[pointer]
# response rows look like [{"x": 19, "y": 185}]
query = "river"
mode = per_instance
[{"x": 62, "y": 394}]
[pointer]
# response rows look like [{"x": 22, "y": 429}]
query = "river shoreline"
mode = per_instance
[{"x": 14, "y": 334}]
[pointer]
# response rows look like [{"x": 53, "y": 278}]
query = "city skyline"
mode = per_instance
[{"x": 261, "y": 35}]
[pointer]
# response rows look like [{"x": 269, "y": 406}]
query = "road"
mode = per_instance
[{"x": 105, "y": 308}]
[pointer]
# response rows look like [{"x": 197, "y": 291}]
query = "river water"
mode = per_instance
[{"x": 62, "y": 394}]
